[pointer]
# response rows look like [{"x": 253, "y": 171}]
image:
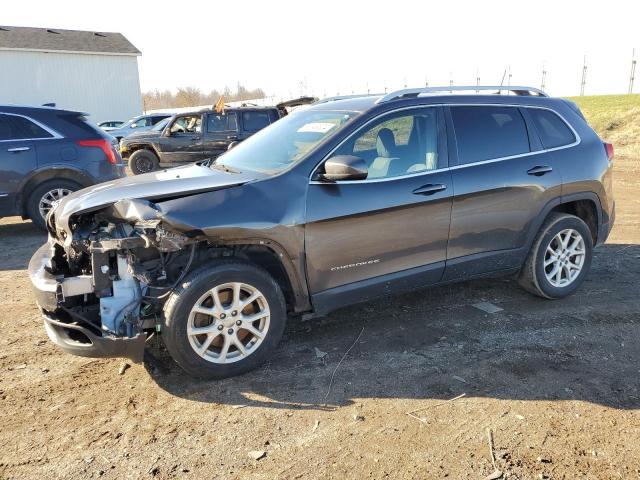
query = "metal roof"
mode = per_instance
[{"x": 71, "y": 41}]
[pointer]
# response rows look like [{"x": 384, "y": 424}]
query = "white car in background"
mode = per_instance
[{"x": 110, "y": 125}]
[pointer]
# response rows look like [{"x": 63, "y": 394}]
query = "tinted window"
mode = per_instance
[
  {"x": 254, "y": 121},
  {"x": 398, "y": 144},
  {"x": 7, "y": 130},
  {"x": 221, "y": 122},
  {"x": 551, "y": 128},
  {"x": 17, "y": 128},
  {"x": 30, "y": 129},
  {"x": 155, "y": 120},
  {"x": 484, "y": 133}
]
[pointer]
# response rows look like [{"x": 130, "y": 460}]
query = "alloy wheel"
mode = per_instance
[
  {"x": 51, "y": 199},
  {"x": 228, "y": 323},
  {"x": 564, "y": 258}
]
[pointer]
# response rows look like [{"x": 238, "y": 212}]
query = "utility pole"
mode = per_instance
[
  {"x": 543, "y": 84},
  {"x": 633, "y": 70},
  {"x": 450, "y": 82},
  {"x": 509, "y": 79},
  {"x": 584, "y": 76},
  {"x": 426, "y": 81},
  {"x": 477, "y": 80}
]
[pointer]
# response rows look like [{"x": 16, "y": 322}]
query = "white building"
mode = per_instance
[{"x": 92, "y": 72}]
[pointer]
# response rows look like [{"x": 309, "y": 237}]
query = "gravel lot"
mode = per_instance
[{"x": 556, "y": 382}]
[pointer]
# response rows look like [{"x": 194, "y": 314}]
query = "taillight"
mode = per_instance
[
  {"x": 103, "y": 145},
  {"x": 609, "y": 149}
]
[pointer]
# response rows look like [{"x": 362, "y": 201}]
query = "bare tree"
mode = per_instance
[{"x": 192, "y": 96}]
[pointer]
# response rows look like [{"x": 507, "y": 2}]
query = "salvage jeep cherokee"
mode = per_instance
[{"x": 343, "y": 202}]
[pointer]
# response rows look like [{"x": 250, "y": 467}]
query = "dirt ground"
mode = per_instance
[{"x": 557, "y": 383}]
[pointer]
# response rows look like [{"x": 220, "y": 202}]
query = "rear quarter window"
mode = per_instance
[
  {"x": 553, "y": 131},
  {"x": 485, "y": 133},
  {"x": 254, "y": 121}
]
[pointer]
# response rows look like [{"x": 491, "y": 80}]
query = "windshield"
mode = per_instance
[
  {"x": 161, "y": 124},
  {"x": 285, "y": 142}
]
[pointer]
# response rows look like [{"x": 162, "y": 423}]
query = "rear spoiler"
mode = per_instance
[
  {"x": 296, "y": 102},
  {"x": 574, "y": 106}
]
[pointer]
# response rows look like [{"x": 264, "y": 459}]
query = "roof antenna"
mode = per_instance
[{"x": 502, "y": 81}]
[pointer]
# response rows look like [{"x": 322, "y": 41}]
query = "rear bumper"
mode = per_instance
[{"x": 52, "y": 294}]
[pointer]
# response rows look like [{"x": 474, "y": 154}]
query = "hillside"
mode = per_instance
[{"x": 616, "y": 118}]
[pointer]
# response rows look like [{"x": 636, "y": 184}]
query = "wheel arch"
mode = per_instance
[
  {"x": 273, "y": 258},
  {"x": 51, "y": 173},
  {"x": 135, "y": 147},
  {"x": 584, "y": 205}
]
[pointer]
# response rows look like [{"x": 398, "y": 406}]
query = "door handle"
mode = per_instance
[
  {"x": 18, "y": 149},
  {"x": 539, "y": 170},
  {"x": 232, "y": 137},
  {"x": 429, "y": 189}
]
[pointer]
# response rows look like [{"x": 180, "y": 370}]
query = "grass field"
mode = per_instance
[{"x": 616, "y": 118}]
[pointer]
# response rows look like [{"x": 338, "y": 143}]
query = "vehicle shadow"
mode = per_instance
[
  {"x": 434, "y": 344},
  {"x": 18, "y": 240}
]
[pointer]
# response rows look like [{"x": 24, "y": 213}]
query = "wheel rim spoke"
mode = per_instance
[
  {"x": 225, "y": 349},
  {"x": 205, "y": 345},
  {"x": 253, "y": 330}
]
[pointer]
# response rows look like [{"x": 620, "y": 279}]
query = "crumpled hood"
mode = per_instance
[{"x": 153, "y": 186}]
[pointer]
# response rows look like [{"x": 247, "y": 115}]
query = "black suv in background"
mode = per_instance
[
  {"x": 193, "y": 136},
  {"x": 341, "y": 203},
  {"x": 47, "y": 153}
]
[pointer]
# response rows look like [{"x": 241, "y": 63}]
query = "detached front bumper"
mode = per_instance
[{"x": 53, "y": 296}]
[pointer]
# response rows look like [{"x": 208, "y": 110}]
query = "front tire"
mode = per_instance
[
  {"x": 560, "y": 257},
  {"x": 43, "y": 198},
  {"x": 143, "y": 161},
  {"x": 224, "y": 320}
]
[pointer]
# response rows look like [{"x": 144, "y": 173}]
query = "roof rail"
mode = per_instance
[
  {"x": 414, "y": 92},
  {"x": 346, "y": 97}
]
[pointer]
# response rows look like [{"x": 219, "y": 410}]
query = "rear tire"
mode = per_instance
[
  {"x": 143, "y": 161},
  {"x": 559, "y": 259},
  {"x": 42, "y": 198},
  {"x": 212, "y": 332}
]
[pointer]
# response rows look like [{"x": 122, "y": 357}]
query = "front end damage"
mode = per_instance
[{"x": 102, "y": 278}]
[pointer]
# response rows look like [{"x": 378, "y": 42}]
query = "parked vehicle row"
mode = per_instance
[
  {"x": 193, "y": 136},
  {"x": 140, "y": 123},
  {"x": 48, "y": 153},
  {"x": 340, "y": 203}
]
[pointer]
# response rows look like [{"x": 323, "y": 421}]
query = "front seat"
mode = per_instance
[{"x": 386, "y": 150}]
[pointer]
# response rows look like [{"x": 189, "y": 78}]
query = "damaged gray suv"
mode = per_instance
[{"x": 343, "y": 202}]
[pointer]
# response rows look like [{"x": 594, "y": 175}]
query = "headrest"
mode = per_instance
[{"x": 385, "y": 143}]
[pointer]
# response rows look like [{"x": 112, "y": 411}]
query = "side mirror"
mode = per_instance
[{"x": 345, "y": 167}]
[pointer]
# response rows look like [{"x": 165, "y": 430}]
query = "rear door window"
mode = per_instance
[
  {"x": 489, "y": 132},
  {"x": 553, "y": 131},
  {"x": 30, "y": 129},
  {"x": 221, "y": 122},
  {"x": 19, "y": 128},
  {"x": 254, "y": 121}
]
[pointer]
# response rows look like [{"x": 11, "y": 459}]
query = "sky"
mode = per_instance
[{"x": 330, "y": 47}]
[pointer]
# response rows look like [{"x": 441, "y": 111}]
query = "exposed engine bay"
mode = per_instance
[{"x": 116, "y": 269}]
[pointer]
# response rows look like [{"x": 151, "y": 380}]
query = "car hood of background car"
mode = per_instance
[
  {"x": 142, "y": 135},
  {"x": 154, "y": 186}
]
